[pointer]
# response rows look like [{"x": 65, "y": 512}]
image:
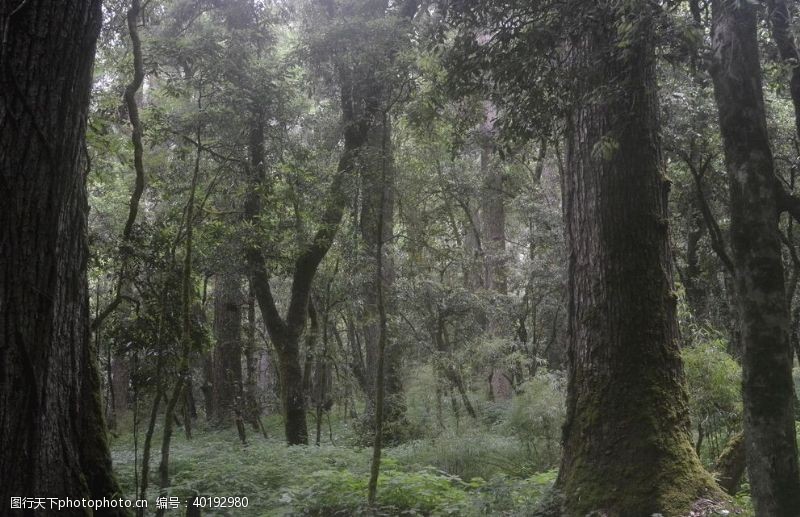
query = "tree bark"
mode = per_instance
[
  {"x": 769, "y": 429},
  {"x": 227, "y": 361},
  {"x": 627, "y": 415},
  {"x": 52, "y": 432},
  {"x": 731, "y": 464}
]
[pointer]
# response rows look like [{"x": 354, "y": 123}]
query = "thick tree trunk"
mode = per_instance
[
  {"x": 731, "y": 464},
  {"x": 52, "y": 432},
  {"x": 769, "y": 428},
  {"x": 284, "y": 339},
  {"x": 286, "y": 332},
  {"x": 227, "y": 362},
  {"x": 627, "y": 449},
  {"x": 293, "y": 397}
]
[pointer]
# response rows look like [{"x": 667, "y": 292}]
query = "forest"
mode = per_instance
[{"x": 397, "y": 257}]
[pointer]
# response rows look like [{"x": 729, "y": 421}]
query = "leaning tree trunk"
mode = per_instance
[
  {"x": 52, "y": 432},
  {"x": 769, "y": 429},
  {"x": 627, "y": 449}
]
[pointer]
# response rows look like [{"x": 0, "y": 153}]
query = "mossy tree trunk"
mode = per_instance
[
  {"x": 731, "y": 464},
  {"x": 627, "y": 449},
  {"x": 768, "y": 390},
  {"x": 52, "y": 431}
]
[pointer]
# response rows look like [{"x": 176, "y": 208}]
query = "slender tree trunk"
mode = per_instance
[
  {"x": 120, "y": 378},
  {"x": 627, "y": 415},
  {"x": 207, "y": 388},
  {"x": 52, "y": 431},
  {"x": 131, "y": 91},
  {"x": 186, "y": 318},
  {"x": 312, "y": 338},
  {"x": 493, "y": 237},
  {"x": 377, "y": 224},
  {"x": 148, "y": 440},
  {"x": 285, "y": 332},
  {"x": 252, "y": 407},
  {"x": 769, "y": 429},
  {"x": 380, "y": 375}
]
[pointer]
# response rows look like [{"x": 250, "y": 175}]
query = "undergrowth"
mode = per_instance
[{"x": 436, "y": 478}]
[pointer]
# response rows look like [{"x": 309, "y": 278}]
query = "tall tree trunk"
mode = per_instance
[
  {"x": 285, "y": 332},
  {"x": 227, "y": 361},
  {"x": 780, "y": 19},
  {"x": 627, "y": 416},
  {"x": 377, "y": 225},
  {"x": 52, "y": 432},
  {"x": 131, "y": 91},
  {"x": 187, "y": 291},
  {"x": 769, "y": 429},
  {"x": 493, "y": 209},
  {"x": 493, "y": 237},
  {"x": 381, "y": 278},
  {"x": 251, "y": 404},
  {"x": 696, "y": 290}
]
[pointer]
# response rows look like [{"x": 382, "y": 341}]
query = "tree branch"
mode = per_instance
[{"x": 714, "y": 232}]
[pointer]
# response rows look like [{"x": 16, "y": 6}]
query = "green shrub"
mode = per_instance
[
  {"x": 713, "y": 380},
  {"x": 503, "y": 495},
  {"x": 340, "y": 492},
  {"x": 468, "y": 454},
  {"x": 536, "y": 417}
]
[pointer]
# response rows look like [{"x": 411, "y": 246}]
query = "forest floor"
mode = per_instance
[
  {"x": 471, "y": 471},
  {"x": 417, "y": 478}
]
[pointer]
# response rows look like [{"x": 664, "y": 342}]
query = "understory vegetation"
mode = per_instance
[{"x": 504, "y": 463}]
